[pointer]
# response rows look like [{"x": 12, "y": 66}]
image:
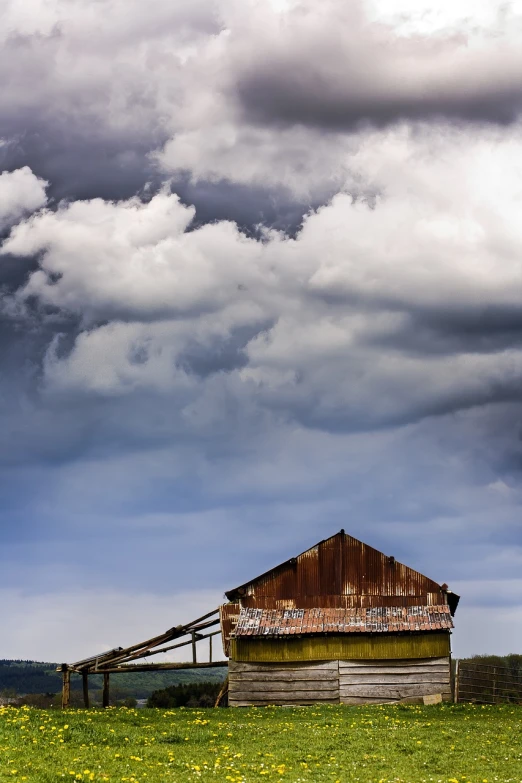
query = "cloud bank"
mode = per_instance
[
  {"x": 413, "y": 292},
  {"x": 259, "y": 94},
  {"x": 260, "y": 280}
]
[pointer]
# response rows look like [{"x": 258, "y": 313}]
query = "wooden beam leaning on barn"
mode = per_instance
[{"x": 120, "y": 659}]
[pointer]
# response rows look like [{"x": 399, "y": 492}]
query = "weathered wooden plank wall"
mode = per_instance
[
  {"x": 366, "y": 682},
  {"x": 334, "y": 682},
  {"x": 292, "y": 683}
]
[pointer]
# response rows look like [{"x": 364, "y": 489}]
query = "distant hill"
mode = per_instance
[{"x": 22, "y": 677}]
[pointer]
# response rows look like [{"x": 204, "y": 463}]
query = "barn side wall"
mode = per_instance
[
  {"x": 334, "y": 682},
  {"x": 288, "y": 683},
  {"x": 343, "y": 647},
  {"x": 376, "y": 682}
]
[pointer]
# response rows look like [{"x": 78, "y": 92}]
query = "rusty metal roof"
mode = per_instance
[
  {"x": 341, "y": 572},
  {"x": 383, "y": 619},
  {"x": 229, "y": 615}
]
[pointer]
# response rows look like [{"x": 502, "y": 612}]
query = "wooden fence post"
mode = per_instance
[
  {"x": 105, "y": 693},
  {"x": 456, "y": 686},
  {"x": 85, "y": 683},
  {"x": 66, "y": 687},
  {"x": 210, "y": 649},
  {"x": 194, "y": 658}
]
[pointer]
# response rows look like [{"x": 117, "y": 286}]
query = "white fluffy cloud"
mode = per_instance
[
  {"x": 134, "y": 259},
  {"x": 348, "y": 324},
  {"x": 439, "y": 224},
  {"x": 21, "y": 192}
]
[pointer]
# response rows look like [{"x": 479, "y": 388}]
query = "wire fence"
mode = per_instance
[{"x": 486, "y": 684}]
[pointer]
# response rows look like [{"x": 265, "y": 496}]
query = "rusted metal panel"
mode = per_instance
[
  {"x": 228, "y": 615},
  {"x": 339, "y": 572},
  {"x": 343, "y": 601},
  {"x": 396, "y": 619}
]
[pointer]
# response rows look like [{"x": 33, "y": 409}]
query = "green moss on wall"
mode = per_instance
[{"x": 342, "y": 647}]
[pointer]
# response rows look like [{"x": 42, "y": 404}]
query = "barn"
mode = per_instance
[{"x": 339, "y": 623}]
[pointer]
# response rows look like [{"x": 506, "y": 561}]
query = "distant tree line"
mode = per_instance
[
  {"x": 512, "y": 662},
  {"x": 196, "y": 694},
  {"x": 30, "y": 677}
]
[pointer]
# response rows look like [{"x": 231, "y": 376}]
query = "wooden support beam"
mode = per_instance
[
  {"x": 155, "y": 667},
  {"x": 210, "y": 648},
  {"x": 147, "y": 654},
  {"x": 139, "y": 650},
  {"x": 105, "y": 693},
  {"x": 206, "y": 624},
  {"x": 85, "y": 684},
  {"x": 222, "y": 692},
  {"x": 112, "y": 660},
  {"x": 66, "y": 687},
  {"x": 99, "y": 657}
]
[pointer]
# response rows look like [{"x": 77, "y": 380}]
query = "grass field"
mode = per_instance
[{"x": 446, "y": 744}]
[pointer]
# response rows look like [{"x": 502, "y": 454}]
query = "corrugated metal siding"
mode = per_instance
[
  {"x": 342, "y": 572},
  {"x": 228, "y": 616},
  {"x": 342, "y": 647},
  {"x": 342, "y": 601}
]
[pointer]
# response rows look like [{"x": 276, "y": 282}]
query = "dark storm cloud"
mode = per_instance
[
  {"x": 79, "y": 164},
  {"x": 249, "y": 206},
  {"x": 102, "y": 164},
  {"x": 312, "y": 412},
  {"x": 14, "y": 272},
  {"x": 333, "y": 68},
  {"x": 283, "y": 93},
  {"x": 173, "y": 379},
  {"x": 77, "y": 141},
  {"x": 445, "y": 331},
  {"x": 98, "y": 141}
]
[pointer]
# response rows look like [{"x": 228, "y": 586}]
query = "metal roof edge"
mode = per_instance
[{"x": 231, "y": 594}]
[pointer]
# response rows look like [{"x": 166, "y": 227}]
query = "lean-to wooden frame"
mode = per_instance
[{"x": 341, "y": 622}]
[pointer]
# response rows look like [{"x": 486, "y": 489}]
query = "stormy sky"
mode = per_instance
[{"x": 260, "y": 280}]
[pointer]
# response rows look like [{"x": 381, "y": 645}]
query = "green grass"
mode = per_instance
[{"x": 446, "y": 744}]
